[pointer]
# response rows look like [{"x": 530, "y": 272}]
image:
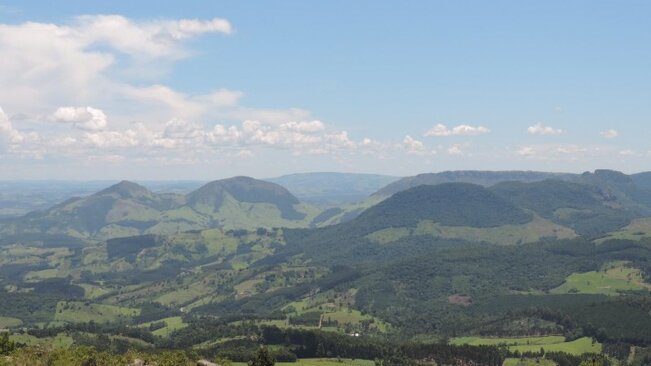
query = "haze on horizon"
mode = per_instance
[{"x": 158, "y": 90}]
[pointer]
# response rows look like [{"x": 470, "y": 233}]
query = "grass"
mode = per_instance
[
  {"x": 636, "y": 230},
  {"x": 59, "y": 341},
  {"x": 354, "y": 317},
  {"x": 172, "y": 324},
  {"x": 534, "y": 344},
  {"x": 80, "y": 312},
  {"x": 320, "y": 362},
  {"x": 528, "y": 362},
  {"x": 611, "y": 280},
  {"x": 92, "y": 291},
  {"x": 504, "y": 235},
  {"x": 520, "y": 341},
  {"x": 6, "y": 322},
  {"x": 43, "y": 274},
  {"x": 576, "y": 347}
]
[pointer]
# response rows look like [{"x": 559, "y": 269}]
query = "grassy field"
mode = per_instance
[
  {"x": 320, "y": 362},
  {"x": 636, "y": 230},
  {"x": 576, "y": 347},
  {"x": 354, "y": 317},
  {"x": 59, "y": 341},
  {"x": 612, "y": 279},
  {"x": 6, "y": 322},
  {"x": 79, "y": 312},
  {"x": 521, "y": 341},
  {"x": 92, "y": 291},
  {"x": 528, "y": 362},
  {"x": 172, "y": 324},
  {"x": 504, "y": 235},
  {"x": 534, "y": 344}
]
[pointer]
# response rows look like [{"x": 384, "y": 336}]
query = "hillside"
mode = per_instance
[
  {"x": 430, "y": 262},
  {"x": 450, "y": 204},
  {"x": 585, "y": 208},
  {"x": 483, "y": 178},
  {"x": 127, "y": 208}
]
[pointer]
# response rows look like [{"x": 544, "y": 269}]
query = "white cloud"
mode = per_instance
[
  {"x": 610, "y": 134},
  {"x": 46, "y": 65},
  {"x": 540, "y": 129},
  {"x": 627, "y": 152},
  {"x": 111, "y": 139},
  {"x": 441, "y": 130},
  {"x": 454, "y": 150},
  {"x": 414, "y": 147},
  {"x": 526, "y": 151},
  {"x": 158, "y": 38},
  {"x": 85, "y": 118},
  {"x": 559, "y": 152},
  {"x": 303, "y": 127},
  {"x": 8, "y": 132}
]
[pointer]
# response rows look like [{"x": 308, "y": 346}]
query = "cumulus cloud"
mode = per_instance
[
  {"x": 413, "y": 146},
  {"x": 8, "y": 132},
  {"x": 150, "y": 38},
  {"x": 610, "y": 134},
  {"x": 540, "y": 129},
  {"x": 441, "y": 130},
  {"x": 85, "y": 118}
]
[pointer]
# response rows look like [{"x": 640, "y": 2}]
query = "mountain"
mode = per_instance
[
  {"x": 642, "y": 179},
  {"x": 333, "y": 188},
  {"x": 18, "y": 198},
  {"x": 450, "y": 204},
  {"x": 484, "y": 178},
  {"x": 585, "y": 208},
  {"x": 431, "y": 262},
  {"x": 620, "y": 187},
  {"x": 128, "y": 208},
  {"x": 264, "y": 204}
]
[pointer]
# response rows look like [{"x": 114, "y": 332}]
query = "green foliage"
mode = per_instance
[
  {"x": 6, "y": 346},
  {"x": 262, "y": 358},
  {"x": 580, "y": 207},
  {"x": 450, "y": 204}
]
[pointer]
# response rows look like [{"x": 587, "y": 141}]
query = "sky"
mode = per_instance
[{"x": 211, "y": 89}]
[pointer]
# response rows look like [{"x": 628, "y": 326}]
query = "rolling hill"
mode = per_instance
[
  {"x": 484, "y": 178},
  {"x": 585, "y": 208},
  {"x": 127, "y": 208},
  {"x": 429, "y": 262}
]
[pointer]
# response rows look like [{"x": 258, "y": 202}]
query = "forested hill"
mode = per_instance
[
  {"x": 450, "y": 204},
  {"x": 245, "y": 189},
  {"x": 127, "y": 208},
  {"x": 484, "y": 178}
]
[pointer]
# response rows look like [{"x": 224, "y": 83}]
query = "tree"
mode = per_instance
[
  {"x": 262, "y": 358},
  {"x": 6, "y": 346}
]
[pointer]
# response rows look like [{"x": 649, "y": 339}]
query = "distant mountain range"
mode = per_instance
[
  {"x": 333, "y": 188},
  {"x": 128, "y": 208},
  {"x": 447, "y": 254},
  {"x": 559, "y": 203}
]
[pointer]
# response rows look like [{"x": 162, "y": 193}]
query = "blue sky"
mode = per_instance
[{"x": 336, "y": 85}]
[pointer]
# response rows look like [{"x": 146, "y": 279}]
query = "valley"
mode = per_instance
[{"x": 486, "y": 267}]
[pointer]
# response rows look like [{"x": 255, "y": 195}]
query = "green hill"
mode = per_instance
[
  {"x": 450, "y": 204},
  {"x": 585, "y": 208},
  {"x": 127, "y": 209},
  {"x": 427, "y": 263},
  {"x": 484, "y": 178},
  {"x": 245, "y": 189}
]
